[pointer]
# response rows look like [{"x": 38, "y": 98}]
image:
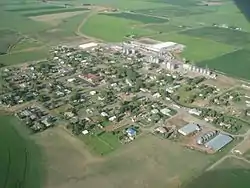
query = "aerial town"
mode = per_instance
[{"x": 127, "y": 89}]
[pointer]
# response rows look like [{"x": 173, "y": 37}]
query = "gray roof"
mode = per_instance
[
  {"x": 219, "y": 142},
  {"x": 189, "y": 128}
]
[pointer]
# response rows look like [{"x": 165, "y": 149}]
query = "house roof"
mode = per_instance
[
  {"x": 219, "y": 142},
  {"x": 131, "y": 131}
]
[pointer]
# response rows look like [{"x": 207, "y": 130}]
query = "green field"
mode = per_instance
[
  {"x": 138, "y": 17},
  {"x": 103, "y": 144},
  {"x": 25, "y": 43},
  {"x": 172, "y": 11},
  {"x": 8, "y": 39},
  {"x": 23, "y": 57},
  {"x": 112, "y": 29},
  {"x": 231, "y": 173},
  {"x": 20, "y": 159},
  {"x": 197, "y": 49},
  {"x": 46, "y": 12},
  {"x": 33, "y": 8},
  {"x": 227, "y": 36},
  {"x": 235, "y": 64},
  {"x": 163, "y": 28}
]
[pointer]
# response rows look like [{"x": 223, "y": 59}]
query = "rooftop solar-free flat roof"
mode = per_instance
[{"x": 219, "y": 142}]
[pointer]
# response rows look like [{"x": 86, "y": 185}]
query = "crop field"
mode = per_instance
[
  {"x": 8, "y": 39},
  {"x": 20, "y": 159},
  {"x": 23, "y": 57},
  {"x": 46, "y": 12},
  {"x": 235, "y": 64},
  {"x": 112, "y": 29},
  {"x": 26, "y": 43},
  {"x": 34, "y": 8},
  {"x": 178, "y": 2},
  {"x": 171, "y": 11},
  {"x": 227, "y": 36},
  {"x": 197, "y": 49},
  {"x": 230, "y": 173},
  {"x": 163, "y": 28},
  {"x": 138, "y": 17}
]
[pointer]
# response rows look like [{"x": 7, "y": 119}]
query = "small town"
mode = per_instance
[{"x": 117, "y": 92}]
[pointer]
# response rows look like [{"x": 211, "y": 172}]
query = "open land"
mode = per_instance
[{"x": 111, "y": 115}]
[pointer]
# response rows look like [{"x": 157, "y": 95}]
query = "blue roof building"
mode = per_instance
[{"x": 131, "y": 132}]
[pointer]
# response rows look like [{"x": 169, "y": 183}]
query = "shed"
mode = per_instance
[
  {"x": 189, "y": 128},
  {"x": 131, "y": 132},
  {"x": 218, "y": 142}
]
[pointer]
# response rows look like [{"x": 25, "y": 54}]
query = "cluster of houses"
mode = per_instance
[{"x": 36, "y": 119}]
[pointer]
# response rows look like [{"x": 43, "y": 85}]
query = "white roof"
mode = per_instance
[
  {"x": 163, "y": 45},
  {"x": 88, "y": 45}
]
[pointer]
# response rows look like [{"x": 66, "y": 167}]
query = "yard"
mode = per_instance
[
  {"x": 20, "y": 159},
  {"x": 234, "y": 64}
]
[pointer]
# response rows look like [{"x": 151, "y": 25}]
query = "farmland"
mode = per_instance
[
  {"x": 234, "y": 64},
  {"x": 8, "y": 40},
  {"x": 20, "y": 158},
  {"x": 223, "y": 35},
  {"x": 233, "y": 172},
  {"x": 104, "y": 27},
  {"x": 139, "y": 17},
  {"x": 194, "y": 51}
]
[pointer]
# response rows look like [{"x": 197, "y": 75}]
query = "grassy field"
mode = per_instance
[
  {"x": 46, "y": 12},
  {"x": 235, "y": 64},
  {"x": 8, "y": 39},
  {"x": 20, "y": 159},
  {"x": 163, "y": 28},
  {"x": 103, "y": 144},
  {"x": 112, "y": 29},
  {"x": 26, "y": 43},
  {"x": 33, "y": 8},
  {"x": 172, "y": 11},
  {"x": 197, "y": 49},
  {"x": 23, "y": 57},
  {"x": 154, "y": 163},
  {"x": 230, "y": 173},
  {"x": 138, "y": 17},
  {"x": 227, "y": 36}
]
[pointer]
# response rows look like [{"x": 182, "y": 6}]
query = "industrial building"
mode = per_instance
[
  {"x": 218, "y": 142},
  {"x": 88, "y": 45},
  {"x": 189, "y": 129},
  {"x": 206, "y": 137}
]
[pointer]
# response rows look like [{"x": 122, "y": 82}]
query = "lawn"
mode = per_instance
[
  {"x": 231, "y": 173},
  {"x": 8, "y": 39},
  {"x": 197, "y": 49},
  {"x": 22, "y": 57},
  {"x": 112, "y": 29},
  {"x": 46, "y": 12},
  {"x": 235, "y": 64},
  {"x": 138, "y": 17},
  {"x": 101, "y": 144},
  {"x": 223, "y": 35},
  {"x": 20, "y": 158}
]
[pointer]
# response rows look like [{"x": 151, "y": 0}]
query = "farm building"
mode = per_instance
[
  {"x": 88, "y": 45},
  {"x": 189, "y": 129},
  {"x": 218, "y": 142}
]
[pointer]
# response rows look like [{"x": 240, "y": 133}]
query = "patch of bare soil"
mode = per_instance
[
  {"x": 211, "y": 3},
  {"x": 55, "y": 19}
]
